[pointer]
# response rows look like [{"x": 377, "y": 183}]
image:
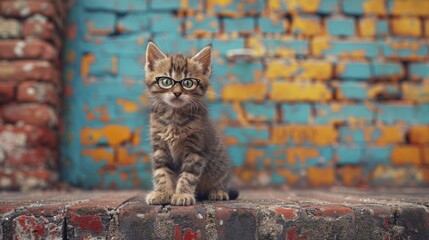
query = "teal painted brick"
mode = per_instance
[
  {"x": 100, "y": 23},
  {"x": 221, "y": 47},
  {"x": 349, "y": 155},
  {"x": 175, "y": 5},
  {"x": 387, "y": 70},
  {"x": 134, "y": 23},
  {"x": 222, "y": 111},
  {"x": 245, "y": 24},
  {"x": 343, "y": 47},
  {"x": 126, "y": 45},
  {"x": 271, "y": 25},
  {"x": 391, "y": 114},
  {"x": 354, "y": 7},
  {"x": 354, "y": 70},
  {"x": 131, "y": 65},
  {"x": 353, "y": 90},
  {"x": 299, "y": 46},
  {"x": 176, "y": 44},
  {"x": 404, "y": 48},
  {"x": 116, "y": 5},
  {"x": 340, "y": 26},
  {"x": 237, "y": 154},
  {"x": 240, "y": 72},
  {"x": 324, "y": 7},
  {"x": 382, "y": 28},
  {"x": 255, "y": 6},
  {"x": 377, "y": 156},
  {"x": 102, "y": 64},
  {"x": 246, "y": 135},
  {"x": 296, "y": 113},
  {"x": 326, "y": 113},
  {"x": 201, "y": 24},
  {"x": 165, "y": 23},
  {"x": 422, "y": 114},
  {"x": 260, "y": 111},
  {"x": 418, "y": 70}
]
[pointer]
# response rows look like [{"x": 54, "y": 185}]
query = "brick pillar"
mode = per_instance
[{"x": 30, "y": 87}]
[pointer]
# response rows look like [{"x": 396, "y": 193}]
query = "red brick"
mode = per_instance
[
  {"x": 40, "y": 115},
  {"x": 40, "y": 29},
  {"x": 334, "y": 211},
  {"x": 29, "y": 179},
  {"x": 288, "y": 214},
  {"x": 29, "y": 49},
  {"x": 38, "y": 92},
  {"x": 12, "y": 8},
  {"x": 25, "y": 70},
  {"x": 32, "y": 157},
  {"x": 26, "y": 136},
  {"x": 7, "y": 91}
]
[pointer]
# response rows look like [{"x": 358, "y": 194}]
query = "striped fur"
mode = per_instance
[{"x": 188, "y": 155}]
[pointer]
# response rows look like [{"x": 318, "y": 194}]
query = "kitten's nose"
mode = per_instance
[{"x": 177, "y": 94}]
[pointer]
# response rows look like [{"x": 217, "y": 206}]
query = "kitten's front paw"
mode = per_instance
[
  {"x": 216, "y": 195},
  {"x": 157, "y": 198},
  {"x": 183, "y": 199}
]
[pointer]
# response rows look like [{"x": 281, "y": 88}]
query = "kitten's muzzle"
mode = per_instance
[{"x": 177, "y": 94}]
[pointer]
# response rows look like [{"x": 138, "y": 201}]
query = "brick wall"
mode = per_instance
[
  {"x": 334, "y": 92},
  {"x": 30, "y": 42}
]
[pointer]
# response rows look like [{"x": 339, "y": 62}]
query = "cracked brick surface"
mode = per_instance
[{"x": 336, "y": 213}]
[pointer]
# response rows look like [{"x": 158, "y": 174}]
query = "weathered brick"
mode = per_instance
[
  {"x": 296, "y": 113},
  {"x": 373, "y": 27},
  {"x": 273, "y": 24},
  {"x": 340, "y": 26},
  {"x": 29, "y": 49},
  {"x": 239, "y": 25},
  {"x": 201, "y": 25},
  {"x": 116, "y": 5},
  {"x": 165, "y": 23},
  {"x": 7, "y": 91},
  {"x": 304, "y": 134},
  {"x": 306, "y": 25},
  {"x": 299, "y": 91},
  {"x": 235, "y": 7},
  {"x": 406, "y": 26},
  {"x": 27, "y": 179},
  {"x": 24, "y": 70},
  {"x": 418, "y": 71},
  {"x": 30, "y": 113},
  {"x": 396, "y": 113},
  {"x": 353, "y": 70},
  {"x": 38, "y": 92},
  {"x": 32, "y": 157},
  {"x": 323, "y": 46},
  {"x": 363, "y": 91},
  {"x": 244, "y": 92},
  {"x": 283, "y": 47},
  {"x": 133, "y": 23},
  {"x": 380, "y": 135},
  {"x": 404, "y": 49},
  {"x": 100, "y": 23},
  {"x": 364, "y": 7},
  {"x": 419, "y": 134},
  {"x": 333, "y": 211},
  {"x": 406, "y": 154},
  {"x": 415, "y": 92},
  {"x": 386, "y": 70},
  {"x": 408, "y": 7},
  {"x": 10, "y": 28},
  {"x": 246, "y": 135},
  {"x": 28, "y": 8},
  {"x": 323, "y": 6},
  {"x": 339, "y": 113},
  {"x": 13, "y": 137},
  {"x": 111, "y": 134},
  {"x": 260, "y": 112},
  {"x": 40, "y": 28},
  {"x": 306, "y": 70}
]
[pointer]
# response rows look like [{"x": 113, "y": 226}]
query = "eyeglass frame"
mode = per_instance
[{"x": 175, "y": 82}]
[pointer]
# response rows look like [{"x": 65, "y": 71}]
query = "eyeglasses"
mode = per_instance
[{"x": 167, "y": 83}]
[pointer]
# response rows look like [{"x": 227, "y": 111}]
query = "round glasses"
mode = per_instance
[{"x": 167, "y": 83}]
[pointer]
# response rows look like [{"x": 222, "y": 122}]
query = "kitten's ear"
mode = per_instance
[
  {"x": 204, "y": 57},
  {"x": 153, "y": 55}
]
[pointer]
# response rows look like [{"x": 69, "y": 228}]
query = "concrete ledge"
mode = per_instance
[{"x": 337, "y": 213}]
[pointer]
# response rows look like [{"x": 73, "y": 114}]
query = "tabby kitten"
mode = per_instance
[{"x": 188, "y": 155}]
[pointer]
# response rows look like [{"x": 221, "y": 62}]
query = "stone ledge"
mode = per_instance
[{"x": 337, "y": 213}]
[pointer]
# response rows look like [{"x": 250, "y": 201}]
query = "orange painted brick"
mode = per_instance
[
  {"x": 244, "y": 92},
  {"x": 426, "y": 155},
  {"x": 321, "y": 176},
  {"x": 306, "y": 25},
  {"x": 409, "y": 7},
  {"x": 301, "y": 134},
  {"x": 419, "y": 134},
  {"x": 367, "y": 26},
  {"x": 113, "y": 135},
  {"x": 426, "y": 27},
  {"x": 406, "y": 154},
  {"x": 415, "y": 92},
  {"x": 407, "y": 26},
  {"x": 306, "y": 70},
  {"x": 299, "y": 91},
  {"x": 374, "y": 7},
  {"x": 351, "y": 175}
]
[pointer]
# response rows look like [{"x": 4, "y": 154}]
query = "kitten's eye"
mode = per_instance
[
  {"x": 165, "y": 82},
  {"x": 189, "y": 84}
]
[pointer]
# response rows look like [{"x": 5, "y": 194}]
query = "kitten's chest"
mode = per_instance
[{"x": 174, "y": 137}]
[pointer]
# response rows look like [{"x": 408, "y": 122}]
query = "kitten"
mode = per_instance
[{"x": 188, "y": 155}]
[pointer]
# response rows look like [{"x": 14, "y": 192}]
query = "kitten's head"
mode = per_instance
[{"x": 177, "y": 81}]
